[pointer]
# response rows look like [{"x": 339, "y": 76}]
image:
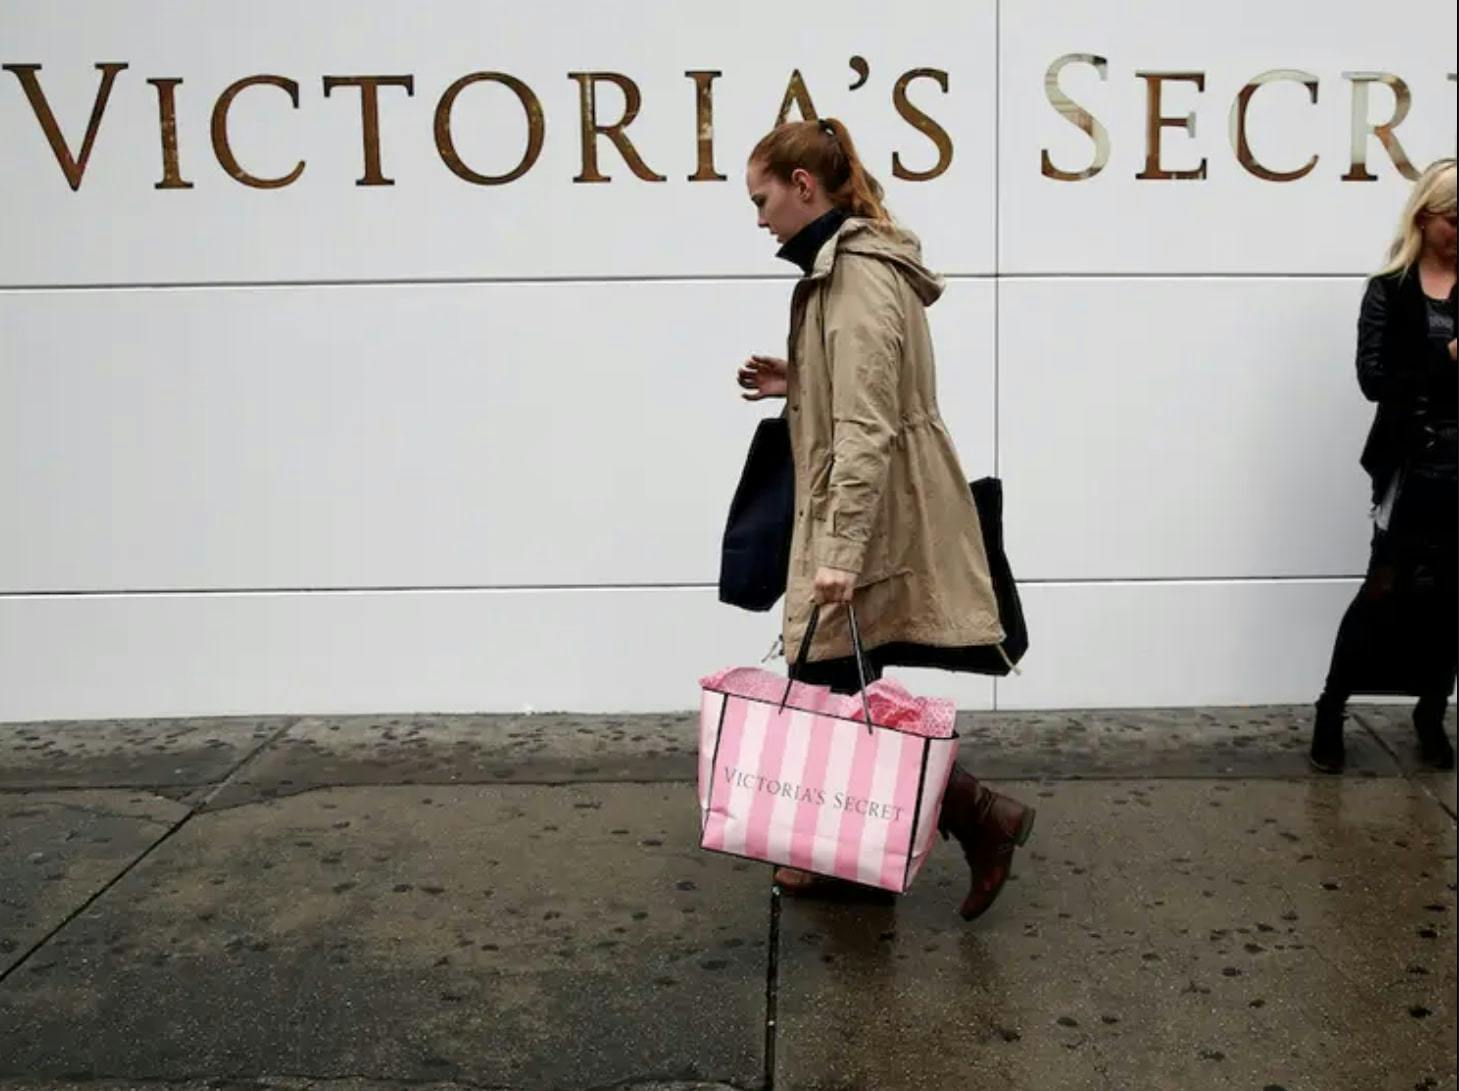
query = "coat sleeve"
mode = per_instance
[
  {"x": 864, "y": 333},
  {"x": 1381, "y": 375}
]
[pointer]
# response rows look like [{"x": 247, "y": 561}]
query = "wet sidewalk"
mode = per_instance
[{"x": 440, "y": 903}]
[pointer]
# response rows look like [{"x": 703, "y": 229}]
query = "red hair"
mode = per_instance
[{"x": 824, "y": 149}]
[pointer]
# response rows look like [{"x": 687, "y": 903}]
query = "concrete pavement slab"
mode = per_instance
[
  {"x": 444, "y": 925},
  {"x": 288, "y": 1083},
  {"x": 58, "y": 849},
  {"x": 160, "y": 754},
  {"x": 328, "y": 751},
  {"x": 528, "y": 937},
  {"x": 179, "y": 756},
  {"x": 1270, "y": 741},
  {"x": 1158, "y": 934},
  {"x": 1393, "y": 727}
]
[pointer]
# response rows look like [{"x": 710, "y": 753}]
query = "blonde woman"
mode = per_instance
[
  {"x": 1400, "y": 633},
  {"x": 883, "y": 516}
]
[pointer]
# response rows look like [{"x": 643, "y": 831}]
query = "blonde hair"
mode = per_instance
[
  {"x": 825, "y": 149},
  {"x": 1432, "y": 195}
]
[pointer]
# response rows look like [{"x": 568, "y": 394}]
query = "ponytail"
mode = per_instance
[
  {"x": 825, "y": 149},
  {"x": 861, "y": 194}
]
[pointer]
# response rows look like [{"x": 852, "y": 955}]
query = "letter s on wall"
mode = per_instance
[{"x": 1077, "y": 116}]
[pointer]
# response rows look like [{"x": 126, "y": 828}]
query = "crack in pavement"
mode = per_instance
[
  {"x": 1422, "y": 783},
  {"x": 167, "y": 834}
]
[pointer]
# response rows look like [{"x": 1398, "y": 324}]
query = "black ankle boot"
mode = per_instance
[
  {"x": 1434, "y": 747},
  {"x": 1328, "y": 754}
]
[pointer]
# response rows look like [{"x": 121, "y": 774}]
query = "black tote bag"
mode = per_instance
[
  {"x": 755, "y": 555},
  {"x": 988, "y": 498},
  {"x": 994, "y": 659}
]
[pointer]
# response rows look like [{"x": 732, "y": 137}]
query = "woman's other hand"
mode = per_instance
[
  {"x": 834, "y": 585},
  {"x": 763, "y": 377},
  {"x": 1454, "y": 348}
]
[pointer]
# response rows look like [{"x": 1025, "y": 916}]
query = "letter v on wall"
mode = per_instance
[{"x": 73, "y": 166}]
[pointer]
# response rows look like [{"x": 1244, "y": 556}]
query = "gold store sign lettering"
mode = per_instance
[
  {"x": 595, "y": 132},
  {"x": 1363, "y": 128}
]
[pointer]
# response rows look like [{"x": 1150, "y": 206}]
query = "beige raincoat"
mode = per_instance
[{"x": 879, "y": 490}]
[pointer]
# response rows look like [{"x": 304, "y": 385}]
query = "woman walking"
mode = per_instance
[
  {"x": 883, "y": 516},
  {"x": 1406, "y": 363}
]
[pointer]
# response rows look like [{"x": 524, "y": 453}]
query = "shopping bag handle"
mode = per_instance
[{"x": 805, "y": 649}]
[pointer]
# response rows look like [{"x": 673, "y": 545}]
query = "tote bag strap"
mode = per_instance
[{"x": 805, "y": 649}]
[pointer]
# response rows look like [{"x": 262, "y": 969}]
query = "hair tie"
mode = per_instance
[{"x": 828, "y": 129}]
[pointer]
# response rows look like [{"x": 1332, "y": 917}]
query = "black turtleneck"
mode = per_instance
[{"x": 807, "y": 243}]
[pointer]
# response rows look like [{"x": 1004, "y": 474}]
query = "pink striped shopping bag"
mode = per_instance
[{"x": 801, "y": 780}]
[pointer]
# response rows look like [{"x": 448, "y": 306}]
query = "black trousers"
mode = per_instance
[
  {"x": 840, "y": 674},
  {"x": 1400, "y": 634}
]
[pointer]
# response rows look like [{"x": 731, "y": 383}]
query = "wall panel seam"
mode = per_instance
[
  {"x": 705, "y": 279},
  {"x": 518, "y": 589},
  {"x": 997, "y": 253}
]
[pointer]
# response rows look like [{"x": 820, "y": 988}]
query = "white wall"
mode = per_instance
[{"x": 441, "y": 446}]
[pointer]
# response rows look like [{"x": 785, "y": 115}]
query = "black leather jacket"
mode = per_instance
[{"x": 1413, "y": 380}]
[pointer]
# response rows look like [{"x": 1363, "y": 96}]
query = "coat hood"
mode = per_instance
[{"x": 886, "y": 242}]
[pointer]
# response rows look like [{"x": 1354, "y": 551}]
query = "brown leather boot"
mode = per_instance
[{"x": 988, "y": 826}]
